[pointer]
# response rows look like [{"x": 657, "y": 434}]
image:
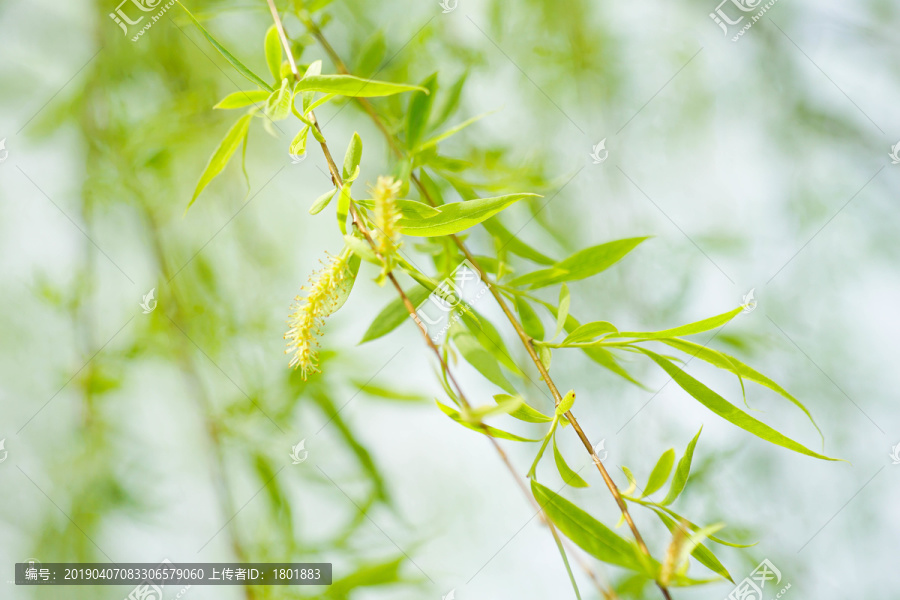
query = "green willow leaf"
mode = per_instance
[
  {"x": 481, "y": 428},
  {"x": 702, "y": 553},
  {"x": 348, "y": 85},
  {"x": 392, "y": 315},
  {"x": 513, "y": 244},
  {"x": 689, "y": 329},
  {"x": 531, "y": 323},
  {"x": 242, "y": 99},
  {"x": 563, "y": 309},
  {"x": 524, "y": 412},
  {"x": 458, "y": 216},
  {"x": 298, "y": 144},
  {"x": 581, "y": 265},
  {"x": 482, "y": 360},
  {"x": 743, "y": 371},
  {"x": 234, "y": 62},
  {"x": 601, "y": 356},
  {"x": 452, "y": 131},
  {"x": 344, "y": 287},
  {"x": 419, "y": 111},
  {"x": 488, "y": 336},
  {"x": 589, "y": 534},
  {"x": 660, "y": 473},
  {"x": 306, "y": 98},
  {"x": 505, "y": 406},
  {"x": 726, "y": 410},
  {"x": 274, "y": 54},
  {"x": 227, "y": 147},
  {"x": 352, "y": 156},
  {"x": 565, "y": 471},
  {"x": 322, "y": 201},
  {"x": 343, "y": 207},
  {"x": 371, "y": 54},
  {"x": 413, "y": 209},
  {"x": 278, "y": 105},
  {"x": 682, "y": 472},
  {"x": 589, "y": 331}
]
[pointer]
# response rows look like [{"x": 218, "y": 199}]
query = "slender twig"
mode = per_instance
[
  {"x": 410, "y": 307},
  {"x": 527, "y": 341}
]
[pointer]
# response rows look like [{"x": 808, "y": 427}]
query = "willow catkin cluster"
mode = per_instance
[
  {"x": 386, "y": 214},
  {"x": 309, "y": 313}
]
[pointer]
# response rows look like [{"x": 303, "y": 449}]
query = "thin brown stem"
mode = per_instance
[{"x": 526, "y": 340}]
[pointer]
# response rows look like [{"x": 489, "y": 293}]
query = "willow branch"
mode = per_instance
[
  {"x": 407, "y": 303},
  {"x": 526, "y": 340}
]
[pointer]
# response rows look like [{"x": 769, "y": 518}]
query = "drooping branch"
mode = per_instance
[{"x": 526, "y": 340}]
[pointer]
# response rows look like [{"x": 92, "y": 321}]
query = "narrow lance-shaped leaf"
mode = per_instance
[
  {"x": 242, "y": 99},
  {"x": 395, "y": 313},
  {"x": 583, "y": 264},
  {"x": 278, "y": 106},
  {"x": 322, "y": 201},
  {"x": 511, "y": 243},
  {"x": 565, "y": 471},
  {"x": 481, "y": 428},
  {"x": 689, "y": 329},
  {"x": 458, "y": 216},
  {"x": 482, "y": 360},
  {"x": 306, "y": 97},
  {"x": 352, "y": 156},
  {"x": 348, "y": 85},
  {"x": 531, "y": 323},
  {"x": 682, "y": 472},
  {"x": 591, "y": 535},
  {"x": 563, "y": 310},
  {"x": 273, "y": 52},
  {"x": 703, "y": 554},
  {"x": 589, "y": 331},
  {"x": 452, "y": 131},
  {"x": 524, "y": 412},
  {"x": 419, "y": 111},
  {"x": 238, "y": 65},
  {"x": 345, "y": 286},
  {"x": 343, "y": 207},
  {"x": 660, "y": 473},
  {"x": 227, "y": 147},
  {"x": 726, "y": 410},
  {"x": 298, "y": 144},
  {"x": 730, "y": 363}
]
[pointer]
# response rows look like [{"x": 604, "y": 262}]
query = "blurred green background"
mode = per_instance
[{"x": 760, "y": 164}]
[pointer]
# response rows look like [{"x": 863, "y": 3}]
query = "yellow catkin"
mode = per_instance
[
  {"x": 386, "y": 215},
  {"x": 309, "y": 313}
]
